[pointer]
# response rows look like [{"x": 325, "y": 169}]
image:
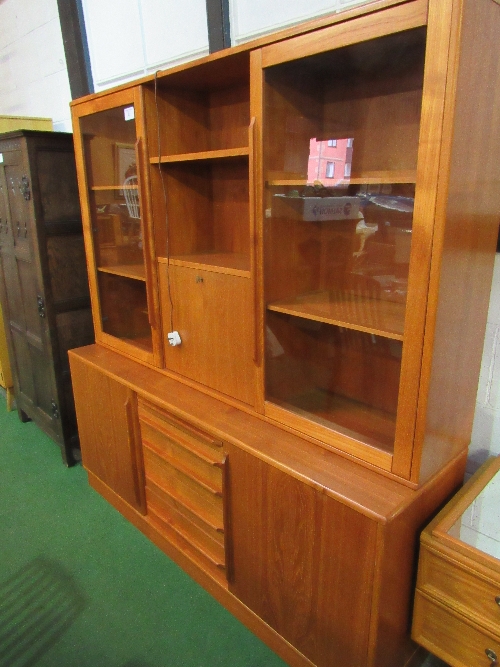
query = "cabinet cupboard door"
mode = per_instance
[
  {"x": 302, "y": 561},
  {"x": 23, "y": 295},
  {"x": 213, "y": 314},
  {"x": 109, "y": 432}
]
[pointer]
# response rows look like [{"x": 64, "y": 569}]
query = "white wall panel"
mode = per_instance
[
  {"x": 114, "y": 35},
  {"x": 174, "y": 30},
  {"x": 33, "y": 74},
  {"x": 142, "y": 36},
  {"x": 251, "y": 18}
]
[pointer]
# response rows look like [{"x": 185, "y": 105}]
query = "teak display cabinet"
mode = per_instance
[{"x": 293, "y": 312}]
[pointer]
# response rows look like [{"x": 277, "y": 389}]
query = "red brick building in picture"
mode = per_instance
[{"x": 329, "y": 161}]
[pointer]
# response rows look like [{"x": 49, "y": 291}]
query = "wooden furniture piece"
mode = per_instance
[
  {"x": 7, "y": 124},
  {"x": 288, "y": 337},
  {"x": 12, "y": 123},
  {"x": 457, "y": 605},
  {"x": 5, "y": 372},
  {"x": 43, "y": 278}
]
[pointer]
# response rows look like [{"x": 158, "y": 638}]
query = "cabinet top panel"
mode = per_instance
[{"x": 367, "y": 491}]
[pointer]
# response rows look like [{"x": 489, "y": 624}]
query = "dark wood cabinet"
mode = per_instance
[{"x": 43, "y": 277}]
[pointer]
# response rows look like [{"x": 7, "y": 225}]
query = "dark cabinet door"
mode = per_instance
[
  {"x": 20, "y": 200},
  {"x": 24, "y": 300},
  {"x": 43, "y": 277},
  {"x": 5, "y": 218}
]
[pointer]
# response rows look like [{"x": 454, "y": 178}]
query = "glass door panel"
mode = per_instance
[
  {"x": 109, "y": 139},
  {"x": 340, "y": 161}
]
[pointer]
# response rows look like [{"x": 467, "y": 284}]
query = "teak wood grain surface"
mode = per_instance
[
  {"x": 317, "y": 410},
  {"x": 457, "y": 603}
]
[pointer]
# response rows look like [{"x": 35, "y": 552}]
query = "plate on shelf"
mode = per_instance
[{"x": 401, "y": 204}]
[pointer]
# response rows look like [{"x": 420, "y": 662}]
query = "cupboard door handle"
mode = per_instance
[
  {"x": 134, "y": 447},
  {"x": 145, "y": 235},
  {"x": 497, "y": 600},
  {"x": 491, "y": 655},
  {"x": 253, "y": 236}
]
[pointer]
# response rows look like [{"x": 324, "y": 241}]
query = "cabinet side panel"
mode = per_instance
[
  {"x": 303, "y": 562},
  {"x": 57, "y": 182},
  {"x": 398, "y": 565},
  {"x": 464, "y": 246}
]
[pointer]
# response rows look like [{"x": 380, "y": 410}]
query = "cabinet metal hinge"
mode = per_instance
[
  {"x": 41, "y": 305},
  {"x": 24, "y": 187},
  {"x": 55, "y": 409}
]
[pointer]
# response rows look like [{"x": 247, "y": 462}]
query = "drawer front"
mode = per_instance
[
  {"x": 184, "y": 469},
  {"x": 187, "y": 435},
  {"x": 207, "y": 472},
  {"x": 463, "y": 590},
  {"x": 451, "y": 636},
  {"x": 173, "y": 515},
  {"x": 182, "y": 487}
]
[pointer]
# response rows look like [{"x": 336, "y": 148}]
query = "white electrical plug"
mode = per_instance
[{"x": 174, "y": 338}]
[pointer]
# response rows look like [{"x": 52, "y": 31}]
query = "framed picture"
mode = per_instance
[{"x": 125, "y": 163}]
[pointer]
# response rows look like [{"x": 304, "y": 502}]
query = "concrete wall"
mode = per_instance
[{"x": 33, "y": 75}]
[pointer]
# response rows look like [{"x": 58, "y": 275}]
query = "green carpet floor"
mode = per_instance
[{"x": 81, "y": 587}]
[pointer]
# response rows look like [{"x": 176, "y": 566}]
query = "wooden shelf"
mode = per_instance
[
  {"x": 142, "y": 342},
  {"x": 202, "y": 155},
  {"x": 343, "y": 309},
  {"x": 98, "y": 188},
  {"x": 135, "y": 271},
  {"x": 368, "y": 178},
  {"x": 375, "y": 427},
  {"x": 230, "y": 263}
]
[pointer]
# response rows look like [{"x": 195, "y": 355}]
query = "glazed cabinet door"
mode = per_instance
[
  {"x": 302, "y": 561},
  {"x": 345, "y": 238},
  {"x": 108, "y": 141},
  {"x": 108, "y": 426}
]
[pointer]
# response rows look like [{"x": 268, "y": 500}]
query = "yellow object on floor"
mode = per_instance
[{"x": 5, "y": 372}]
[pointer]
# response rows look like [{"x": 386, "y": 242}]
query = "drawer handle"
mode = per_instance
[
  {"x": 497, "y": 600},
  {"x": 491, "y": 655}
]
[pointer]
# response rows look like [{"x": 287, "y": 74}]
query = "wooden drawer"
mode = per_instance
[
  {"x": 207, "y": 472},
  {"x": 181, "y": 432},
  {"x": 205, "y": 499},
  {"x": 450, "y": 636},
  {"x": 460, "y": 588},
  {"x": 172, "y": 515},
  {"x": 184, "y": 470}
]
